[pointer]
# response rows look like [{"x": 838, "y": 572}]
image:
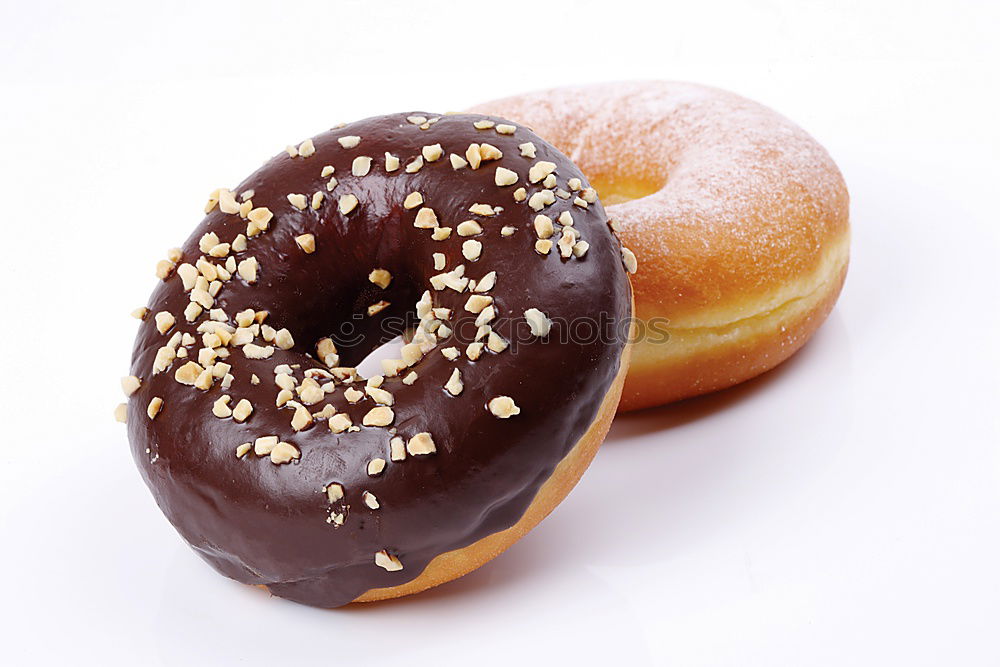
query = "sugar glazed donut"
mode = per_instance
[
  {"x": 738, "y": 217},
  {"x": 260, "y": 442}
]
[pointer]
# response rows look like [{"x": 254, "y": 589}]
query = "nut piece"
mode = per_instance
[
  {"x": 347, "y": 203},
  {"x": 130, "y": 384},
  {"x": 426, "y": 219},
  {"x": 154, "y": 407},
  {"x": 432, "y": 153},
  {"x": 164, "y": 321},
  {"x": 349, "y": 141},
  {"x": 263, "y": 445},
  {"x": 361, "y": 165},
  {"x": 121, "y": 413},
  {"x": 242, "y": 410},
  {"x": 334, "y": 492},
  {"x": 380, "y": 277},
  {"x": 628, "y": 259},
  {"x": 421, "y": 443},
  {"x": 503, "y": 407},
  {"x": 413, "y": 200},
  {"x": 472, "y": 249},
  {"x": 505, "y": 177},
  {"x": 380, "y": 416},
  {"x": 284, "y": 452},
  {"x": 454, "y": 385},
  {"x": 370, "y": 500},
  {"x": 376, "y": 466},
  {"x": 307, "y": 242},
  {"x": 340, "y": 422},
  {"x": 387, "y": 562},
  {"x": 539, "y": 323}
]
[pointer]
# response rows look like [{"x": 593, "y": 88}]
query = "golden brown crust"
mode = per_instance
[
  {"x": 454, "y": 564},
  {"x": 737, "y": 217}
]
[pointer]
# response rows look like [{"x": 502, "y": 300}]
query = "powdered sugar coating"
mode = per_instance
[{"x": 734, "y": 200}]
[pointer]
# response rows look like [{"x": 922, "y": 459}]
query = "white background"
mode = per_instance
[{"x": 844, "y": 509}]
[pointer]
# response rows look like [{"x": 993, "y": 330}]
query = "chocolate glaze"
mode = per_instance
[{"x": 262, "y": 523}]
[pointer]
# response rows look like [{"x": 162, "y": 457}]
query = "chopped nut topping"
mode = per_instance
[
  {"x": 527, "y": 149},
  {"x": 164, "y": 268},
  {"x": 508, "y": 231},
  {"x": 474, "y": 350},
  {"x": 503, "y": 407},
  {"x": 397, "y": 449},
  {"x": 472, "y": 249},
  {"x": 254, "y": 351},
  {"x": 541, "y": 199},
  {"x": 504, "y": 177},
  {"x": 543, "y": 246},
  {"x": 188, "y": 373},
  {"x": 130, "y": 384},
  {"x": 242, "y": 450},
  {"x": 566, "y": 242},
  {"x": 540, "y": 170},
  {"x": 410, "y": 378},
  {"x": 121, "y": 413},
  {"x": 580, "y": 248},
  {"x": 307, "y": 242},
  {"x": 457, "y": 161},
  {"x": 426, "y": 219},
  {"x": 454, "y": 385},
  {"x": 140, "y": 313},
  {"x": 432, "y": 153},
  {"x": 247, "y": 269},
  {"x": 496, "y": 343},
  {"x": 520, "y": 194},
  {"x": 486, "y": 283},
  {"x": 391, "y": 162},
  {"x": 284, "y": 452},
  {"x": 327, "y": 171},
  {"x": 504, "y": 128},
  {"x": 370, "y": 500},
  {"x": 380, "y": 416},
  {"x": 334, "y": 492},
  {"x": 473, "y": 156},
  {"x": 589, "y": 195},
  {"x": 574, "y": 184},
  {"x": 349, "y": 141},
  {"x": 361, "y": 165},
  {"x": 477, "y": 302},
  {"x": 380, "y": 396},
  {"x": 543, "y": 226},
  {"x": 387, "y": 562},
  {"x": 376, "y": 466},
  {"x": 264, "y": 445},
  {"x": 628, "y": 259},
  {"x": 539, "y": 323},
  {"x": 439, "y": 261},
  {"x": 378, "y": 307},
  {"x": 483, "y": 124},
  {"x": 380, "y": 277},
  {"x": 340, "y": 422},
  {"x": 299, "y": 201},
  {"x": 582, "y": 203},
  {"x": 413, "y": 200},
  {"x": 154, "y": 407},
  {"x": 317, "y": 200},
  {"x": 283, "y": 339},
  {"x": 421, "y": 443},
  {"x": 164, "y": 321},
  {"x": 348, "y": 203},
  {"x": 450, "y": 353},
  {"x": 550, "y": 181},
  {"x": 243, "y": 410},
  {"x": 301, "y": 418},
  {"x": 469, "y": 228},
  {"x": 489, "y": 152},
  {"x": 221, "y": 407},
  {"x": 441, "y": 233},
  {"x": 414, "y": 165}
]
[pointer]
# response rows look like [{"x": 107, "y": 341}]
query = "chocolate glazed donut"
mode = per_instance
[{"x": 279, "y": 464}]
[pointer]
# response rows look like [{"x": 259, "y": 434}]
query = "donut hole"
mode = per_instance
[
  {"x": 618, "y": 190},
  {"x": 372, "y": 364}
]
